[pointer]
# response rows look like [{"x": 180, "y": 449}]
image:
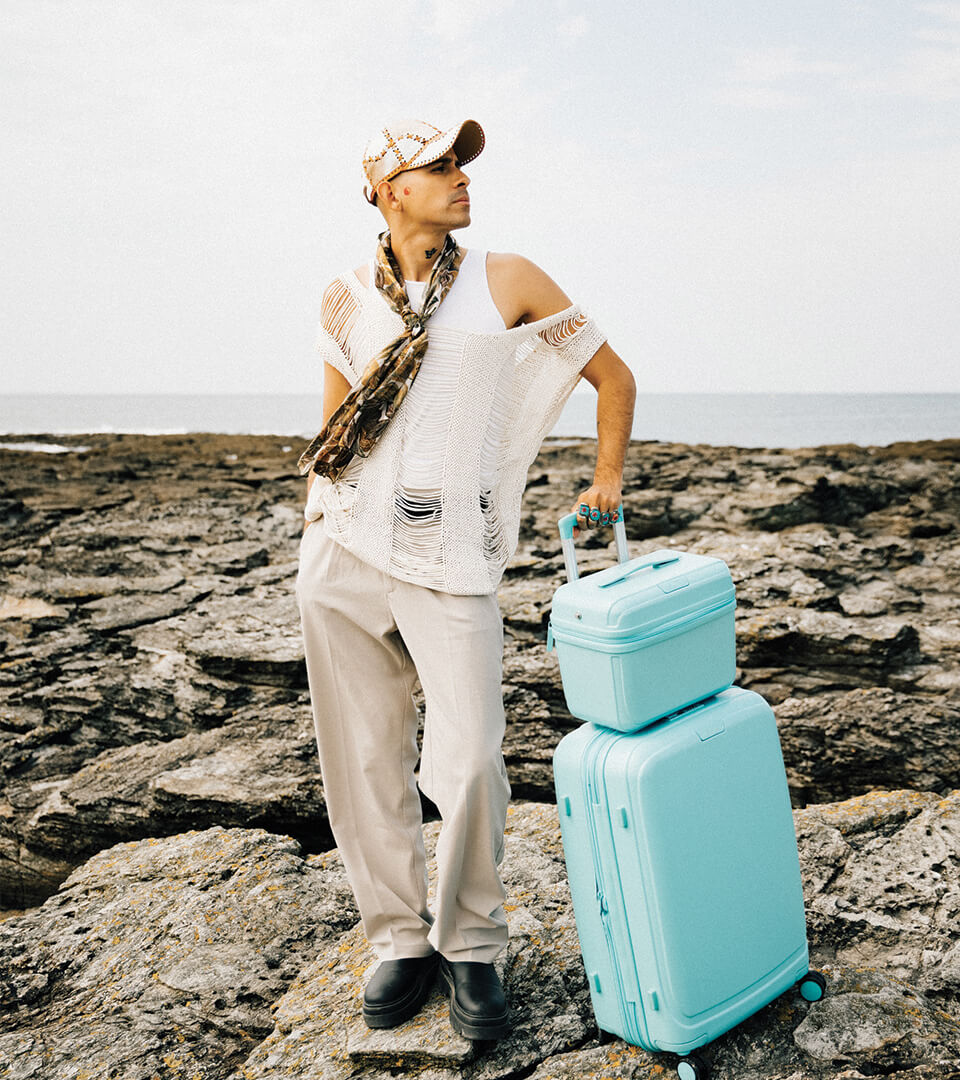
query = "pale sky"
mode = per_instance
[{"x": 746, "y": 195}]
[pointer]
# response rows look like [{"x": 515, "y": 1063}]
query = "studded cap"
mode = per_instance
[{"x": 408, "y": 144}]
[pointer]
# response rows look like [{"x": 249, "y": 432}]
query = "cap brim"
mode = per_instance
[{"x": 466, "y": 141}]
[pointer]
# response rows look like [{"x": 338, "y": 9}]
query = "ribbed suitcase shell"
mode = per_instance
[
  {"x": 683, "y": 867},
  {"x": 644, "y": 638}
]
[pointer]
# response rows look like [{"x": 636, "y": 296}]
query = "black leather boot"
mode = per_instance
[
  {"x": 478, "y": 1005},
  {"x": 398, "y": 990}
]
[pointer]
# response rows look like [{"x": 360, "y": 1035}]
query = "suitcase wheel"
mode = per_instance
[
  {"x": 692, "y": 1067},
  {"x": 812, "y": 986}
]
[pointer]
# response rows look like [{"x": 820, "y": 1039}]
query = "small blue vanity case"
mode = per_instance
[
  {"x": 643, "y": 638},
  {"x": 682, "y": 860}
]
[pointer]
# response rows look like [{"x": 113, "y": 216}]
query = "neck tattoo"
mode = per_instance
[{"x": 430, "y": 252}]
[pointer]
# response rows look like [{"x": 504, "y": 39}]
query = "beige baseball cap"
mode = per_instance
[{"x": 408, "y": 144}]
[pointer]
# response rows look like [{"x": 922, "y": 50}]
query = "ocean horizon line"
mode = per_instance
[{"x": 721, "y": 418}]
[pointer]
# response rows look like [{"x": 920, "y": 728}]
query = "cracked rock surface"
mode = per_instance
[
  {"x": 149, "y": 631},
  {"x": 229, "y": 953},
  {"x": 162, "y": 826}
]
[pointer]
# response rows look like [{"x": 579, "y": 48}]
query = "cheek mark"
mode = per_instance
[{"x": 406, "y": 191}]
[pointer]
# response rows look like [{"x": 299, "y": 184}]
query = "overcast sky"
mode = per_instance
[{"x": 746, "y": 195}]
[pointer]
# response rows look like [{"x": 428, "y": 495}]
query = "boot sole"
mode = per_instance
[
  {"x": 493, "y": 1027},
  {"x": 405, "y": 1008}
]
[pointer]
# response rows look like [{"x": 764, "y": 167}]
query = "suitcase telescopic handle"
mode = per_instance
[{"x": 566, "y": 525}]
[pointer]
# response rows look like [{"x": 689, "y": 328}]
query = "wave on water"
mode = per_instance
[{"x": 43, "y": 448}]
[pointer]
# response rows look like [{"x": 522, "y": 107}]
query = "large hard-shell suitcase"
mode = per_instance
[
  {"x": 644, "y": 637},
  {"x": 683, "y": 868}
]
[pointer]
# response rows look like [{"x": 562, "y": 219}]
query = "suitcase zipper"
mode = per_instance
[{"x": 591, "y": 773}]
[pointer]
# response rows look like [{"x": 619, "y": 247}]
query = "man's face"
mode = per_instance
[{"x": 435, "y": 194}]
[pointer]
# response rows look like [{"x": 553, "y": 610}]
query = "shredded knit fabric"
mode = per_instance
[{"x": 438, "y": 500}]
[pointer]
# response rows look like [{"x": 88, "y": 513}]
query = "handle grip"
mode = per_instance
[
  {"x": 566, "y": 525},
  {"x": 653, "y": 563}
]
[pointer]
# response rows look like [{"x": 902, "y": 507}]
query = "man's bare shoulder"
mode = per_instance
[
  {"x": 509, "y": 266},
  {"x": 521, "y": 287}
]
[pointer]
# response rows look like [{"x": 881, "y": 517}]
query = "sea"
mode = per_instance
[{"x": 744, "y": 420}]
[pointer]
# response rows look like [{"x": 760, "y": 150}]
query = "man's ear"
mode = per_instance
[{"x": 386, "y": 197}]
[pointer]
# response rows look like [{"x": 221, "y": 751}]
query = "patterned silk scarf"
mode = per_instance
[{"x": 354, "y": 427}]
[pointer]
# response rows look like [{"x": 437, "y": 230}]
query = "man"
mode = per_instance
[{"x": 444, "y": 369}]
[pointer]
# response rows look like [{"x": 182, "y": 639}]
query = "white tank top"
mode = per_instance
[{"x": 467, "y": 307}]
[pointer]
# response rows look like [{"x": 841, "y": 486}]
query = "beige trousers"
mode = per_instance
[{"x": 367, "y": 637}]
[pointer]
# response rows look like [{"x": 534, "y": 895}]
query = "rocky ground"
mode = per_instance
[{"x": 174, "y": 906}]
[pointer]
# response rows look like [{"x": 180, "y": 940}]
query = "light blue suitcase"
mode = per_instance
[
  {"x": 644, "y": 637},
  {"x": 682, "y": 859}
]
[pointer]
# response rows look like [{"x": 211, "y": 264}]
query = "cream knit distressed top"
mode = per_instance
[{"x": 438, "y": 500}]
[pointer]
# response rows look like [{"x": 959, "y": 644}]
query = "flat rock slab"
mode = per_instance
[
  {"x": 257, "y": 768},
  {"x": 118, "y": 612},
  {"x": 882, "y": 884},
  {"x": 841, "y": 744},
  {"x": 162, "y": 950},
  {"x": 541, "y": 970},
  {"x": 252, "y": 637},
  {"x": 29, "y": 608}
]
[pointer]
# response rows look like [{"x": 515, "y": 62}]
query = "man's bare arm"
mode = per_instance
[
  {"x": 335, "y": 389},
  {"x": 616, "y": 394},
  {"x": 525, "y": 293}
]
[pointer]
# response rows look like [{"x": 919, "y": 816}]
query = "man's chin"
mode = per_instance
[{"x": 459, "y": 220}]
